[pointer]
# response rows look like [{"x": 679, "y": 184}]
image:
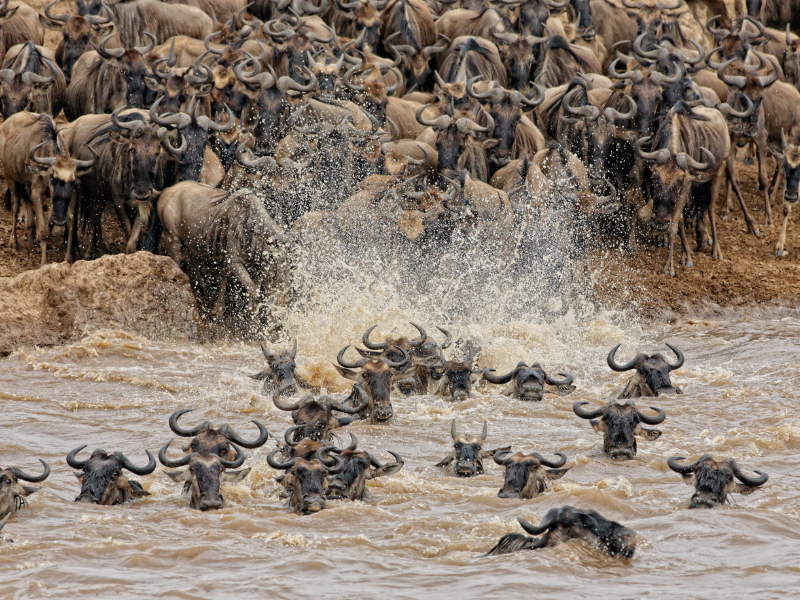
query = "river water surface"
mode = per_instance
[{"x": 419, "y": 534}]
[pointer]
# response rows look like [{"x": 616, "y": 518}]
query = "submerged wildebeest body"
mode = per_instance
[
  {"x": 714, "y": 479},
  {"x": 205, "y": 473},
  {"x": 528, "y": 383},
  {"x": 218, "y": 237},
  {"x": 566, "y": 523},
  {"x": 466, "y": 459},
  {"x": 525, "y": 474},
  {"x": 305, "y": 479},
  {"x": 619, "y": 424},
  {"x": 102, "y": 480},
  {"x": 13, "y": 493},
  {"x": 281, "y": 372},
  {"x": 207, "y": 439},
  {"x": 359, "y": 467},
  {"x": 652, "y": 373},
  {"x": 313, "y": 417}
]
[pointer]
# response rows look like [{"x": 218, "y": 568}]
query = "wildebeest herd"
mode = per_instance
[
  {"x": 315, "y": 465},
  {"x": 238, "y": 133}
]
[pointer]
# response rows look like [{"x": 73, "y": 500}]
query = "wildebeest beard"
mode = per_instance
[
  {"x": 12, "y": 493},
  {"x": 619, "y": 424},
  {"x": 525, "y": 476},
  {"x": 714, "y": 479}
]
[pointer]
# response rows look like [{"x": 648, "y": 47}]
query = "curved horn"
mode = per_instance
[
  {"x": 288, "y": 435},
  {"x": 145, "y": 470},
  {"x": 372, "y": 345},
  {"x": 173, "y": 424},
  {"x": 284, "y": 404},
  {"x": 351, "y": 410},
  {"x": 494, "y": 94},
  {"x": 149, "y": 47},
  {"x": 726, "y": 109},
  {"x": 551, "y": 518},
  {"x": 236, "y": 462},
  {"x": 166, "y": 75},
  {"x": 242, "y": 153},
  {"x": 285, "y": 466},
  {"x": 199, "y": 79},
  {"x": 422, "y": 336},
  {"x": 589, "y": 111},
  {"x": 578, "y": 409},
  {"x": 509, "y": 37},
  {"x": 614, "y": 115},
  {"x": 679, "y": 355},
  {"x": 442, "y": 122},
  {"x": 617, "y": 367},
  {"x": 453, "y": 429},
  {"x": 652, "y": 420},
  {"x": 214, "y": 125},
  {"x": 33, "y": 478},
  {"x": 701, "y": 54},
  {"x": 338, "y": 461},
  {"x": 685, "y": 161},
  {"x": 766, "y": 80},
  {"x": 350, "y": 365},
  {"x": 751, "y": 481},
  {"x": 108, "y": 52},
  {"x": 658, "y": 156},
  {"x": 738, "y": 81},
  {"x": 656, "y": 54},
  {"x": 353, "y": 442},
  {"x": 72, "y": 459},
  {"x": 31, "y": 78},
  {"x": 207, "y": 43},
  {"x": 440, "y": 46},
  {"x": 400, "y": 364},
  {"x": 181, "y": 462},
  {"x": 672, "y": 462},
  {"x": 178, "y": 120},
  {"x": 162, "y": 134},
  {"x": 448, "y": 337},
  {"x": 66, "y": 17},
  {"x": 502, "y": 458},
  {"x": 230, "y": 434},
  {"x": 286, "y": 84},
  {"x": 553, "y": 465},
  {"x": 634, "y": 75},
  {"x": 484, "y": 431},
  {"x": 568, "y": 379},
  {"x": 47, "y": 161},
  {"x": 313, "y": 37},
  {"x": 487, "y": 375}
]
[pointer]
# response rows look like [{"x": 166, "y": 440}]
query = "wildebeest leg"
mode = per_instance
[
  {"x": 42, "y": 229},
  {"x": 71, "y": 224},
  {"x": 777, "y": 181},
  {"x": 95, "y": 229},
  {"x": 787, "y": 210},
  {"x": 686, "y": 254},
  {"x": 133, "y": 238},
  {"x": 712, "y": 213},
  {"x": 153, "y": 237},
  {"x": 14, "y": 201},
  {"x": 238, "y": 270},
  {"x": 726, "y": 208},
  {"x": 730, "y": 168},
  {"x": 675, "y": 223},
  {"x": 122, "y": 214},
  {"x": 761, "y": 146}
]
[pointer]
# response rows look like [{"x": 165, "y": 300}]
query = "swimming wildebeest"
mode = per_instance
[
  {"x": 207, "y": 439},
  {"x": 566, "y": 523},
  {"x": 652, "y": 373},
  {"x": 305, "y": 480},
  {"x": 12, "y": 493},
  {"x": 528, "y": 383},
  {"x": 619, "y": 424},
  {"x": 102, "y": 480},
  {"x": 315, "y": 415},
  {"x": 525, "y": 473},
  {"x": 714, "y": 479},
  {"x": 467, "y": 452},
  {"x": 359, "y": 466},
  {"x": 281, "y": 371}
]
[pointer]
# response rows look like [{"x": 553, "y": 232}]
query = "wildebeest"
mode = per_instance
[
  {"x": 525, "y": 473},
  {"x": 529, "y": 382},
  {"x": 102, "y": 480},
  {"x": 314, "y": 416},
  {"x": 205, "y": 473},
  {"x": 31, "y": 81},
  {"x": 162, "y": 19},
  {"x": 281, "y": 371},
  {"x": 216, "y": 237},
  {"x": 127, "y": 173},
  {"x": 207, "y": 439},
  {"x": 468, "y": 453},
  {"x": 714, "y": 479},
  {"x": 20, "y": 24},
  {"x": 652, "y": 373},
  {"x": 565, "y": 523},
  {"x": 359, "y": 467},
  {"x": 375, "y": 376},
  {"x": 619, "y": 424},
  {"x": 37, "y": 164},
  {"x": 456, "y": 380},
  {"x": 305, "y": 479},
  {"x": 789, "y": 171},
  {"x": 13, "y": 493}
]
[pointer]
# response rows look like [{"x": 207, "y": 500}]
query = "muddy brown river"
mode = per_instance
[{"x": 419, "y": 534}]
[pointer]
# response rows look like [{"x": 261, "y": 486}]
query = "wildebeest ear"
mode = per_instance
[
  {"x": 744, "y": 489},
  {"x": 51, "y": 25},
  {"x": 650, "y": 434},
  {"x": 598, "y": 426},
  {"x": 347, "y": 373},
  {"x": 234, "y": 476},
  {"x": 37, "y": 169},
  {"x": 490, "y": 143},
  {"x": 29, "y": 489},
  {"x": 78, "y": 474},
  {"x": 178, "y": 476},
  {"x": 387, "y": 470},
  {"x": 446, "y": 460},
  {"x": 261, "y": 375},
  {"x": 135, "y": 489},
  {"x": 116, "y": 136},
  {"x": 556, "y": 473},
  {"x": 104, "y": 31},
  {"x": 280, "y": 478}
]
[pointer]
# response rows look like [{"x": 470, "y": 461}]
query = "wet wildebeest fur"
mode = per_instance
[
  {"x": 205, "y": 473},
  {"x": 315, "y": 415},
  {"x": 525, "y": 474},
  {"x": 457, "y": 378},
  {"x": 13, "y": 493},
  {"x": 714, "y": 479},
  {"x": 207, "y": 439},
  {"x": 528, "y": 383},
  {"x": 566, "y": 523},
  {"x": 306, "y": 479},
  {"x": 619, "y": 424},
  {"x": 359, "y": 466},
  {"x": 467, "y": 452},
  {"x": 281, "y": 371},
  {"x": 652, "y": 374},
  {"x": 102, "y": 480}
]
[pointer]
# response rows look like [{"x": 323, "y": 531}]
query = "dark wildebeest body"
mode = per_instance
[
  {"x": 467, "y": 452},
  {"x": 566, "y": 523},
  {"x": 528, "y": 383},
  {"x": 313, "y": 417},
  {"x": 652, "y": 374},
  {"x": 20, "y": 24},
  {"x": 525, "y": 474},
  {"x": 162, "y": 19},
  {"x": 305, "y": 480},
  {"x": 102, "y": 481},
  {"x": 619, "y": 424},
  {"x": 13, "y": 493},
  {"x": 789, "y": 171},
  {"x": 281, "y": 371},
  {"x": 714, "y": 479},
  {"x": 359, "y": 466}
]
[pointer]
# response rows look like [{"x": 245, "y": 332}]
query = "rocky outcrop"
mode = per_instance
[{"x": 59, "y": 302}]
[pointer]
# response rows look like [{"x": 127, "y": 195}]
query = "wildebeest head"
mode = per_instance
[
  {"x": 714, "y": 479},
  {"x": 567, "y": 522},
  {"x": 747, "y": 84},
  {"x": 457, "y": 377},
  {"x": 306, "y": 479},
  {"x": 619, "y": 424},
  {"x": 528, "y": 382},
  {"x": 417, "y": 64},
  {"x": 62, "y": 172},
  {"x": 20, "y": 86},
  {"x": 102, "y": 480},
  {"x": 518, "y": 55},
  {"x": 79, "y": 31},
  {"x": 12, "y": 492},
  {"x": 373, "y": 93},
  {"x": 280, "y": 371},
  {"x": 204, "y": 475},
  {"x": 525, "y": 473},
  {"x": 207, "y": 439},
  {"x": 130, "y": 65},
  {"x": 375, "y": 376},
  {"x": 652, "y": 373},
  {"x": 359, "y": 466},
  {"x": 468, "y": 453},
  {"x": 790, "y": 148},
  {"x": 315, "y": 415}
]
